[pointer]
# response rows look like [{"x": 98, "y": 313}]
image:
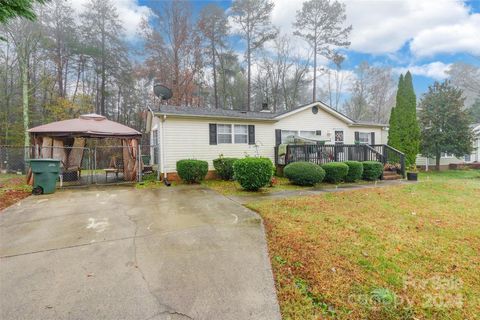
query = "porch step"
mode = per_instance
[{"x": 390, "y": 175}]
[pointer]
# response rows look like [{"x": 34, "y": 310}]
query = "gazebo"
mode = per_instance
[{"x": 66, "y": 140}]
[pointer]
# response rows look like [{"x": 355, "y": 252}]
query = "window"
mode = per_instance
[
  {"x": 286, "y": 134},
  {"x": 241, "y": 133},
  {"x": 338, "y": 136},
  {"x": 364, "y": 137},
  {"x": 307, "y": 134},
  {"x": 154, "y": 137},
  {"x": 224, "y": 133}
]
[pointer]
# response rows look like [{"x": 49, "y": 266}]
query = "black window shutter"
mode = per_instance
[
  {"x": 213, "y": 133},
  {"x": 251, "y": 134},
  {"x": 372, "y": 140},
  {"x": 278, "y": 137},
  {"x": 357, "y": 137},
  {"x": 318, "y": 132}
]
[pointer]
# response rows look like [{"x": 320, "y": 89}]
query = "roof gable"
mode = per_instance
[{"x": 320, "y": 105}]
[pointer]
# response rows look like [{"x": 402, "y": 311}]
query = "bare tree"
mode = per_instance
[
  {"x": 282, "y": 75},
  {"x": 253, "y": 17},
  {"x": 466, "y": 77},
  {"x": 173, "y": 51},
  {"x": 321, "y": 24},
  {"x": 372, "y": 94},
  {"x": 214, "y": 27}
]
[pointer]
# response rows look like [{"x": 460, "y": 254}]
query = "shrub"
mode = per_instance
[
  {"x": 253, "y": 173},
  {"x": 355, "y": 171},
  {"x": 372, "y": 170},
  {"x": 192, "y": 171},
  {"x": 224, "y": 167},
  {"x": 304, "y": 173},
  {"x": 335, "y": 171}
]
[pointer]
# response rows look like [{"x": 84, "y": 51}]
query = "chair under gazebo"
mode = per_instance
[{"x": 66, "y": 141}]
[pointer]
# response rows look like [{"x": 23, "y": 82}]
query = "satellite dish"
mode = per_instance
[{"x": 162, "y": 91}]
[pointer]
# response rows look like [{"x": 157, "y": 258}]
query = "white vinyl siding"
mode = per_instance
[
  {"x": 327, "y": 123},
  {"x": 197, "y": 145}
]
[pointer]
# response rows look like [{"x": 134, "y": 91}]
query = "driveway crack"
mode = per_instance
[{"x": 167, "y": 309}]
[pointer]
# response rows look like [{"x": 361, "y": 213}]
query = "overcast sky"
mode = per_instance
[{"x": 424, "y": 36}]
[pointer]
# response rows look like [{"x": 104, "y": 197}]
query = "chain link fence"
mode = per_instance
[{"x": 87, "y": 165}]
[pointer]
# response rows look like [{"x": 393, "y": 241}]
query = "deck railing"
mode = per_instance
[{"x": 321, "y": 154}]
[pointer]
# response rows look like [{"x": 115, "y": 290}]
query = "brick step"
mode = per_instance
[{"x": 391, "y": 175}]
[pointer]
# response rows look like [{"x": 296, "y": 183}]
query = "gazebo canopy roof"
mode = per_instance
[{"x": 87, "y": 125}]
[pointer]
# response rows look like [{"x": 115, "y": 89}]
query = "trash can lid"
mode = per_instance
[{"x": 44, "y": 160}]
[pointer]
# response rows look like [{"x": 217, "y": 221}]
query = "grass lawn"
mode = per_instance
[
  {"x": 13, "y": 188},
  {"x": 400, "y": 252}
]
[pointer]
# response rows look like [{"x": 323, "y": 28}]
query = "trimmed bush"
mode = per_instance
[
  {"x": 253, "y": 173},
  {"x": 355, "y": 171},
  {"x": 304, "y": 173},
  {"x": 372, "y": 170},
  {"x": 335, "y": 171},
  {"x": 224, "y": 167},
  {"x": 192, "y": 171}
]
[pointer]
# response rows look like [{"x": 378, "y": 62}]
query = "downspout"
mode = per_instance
[{"x": 162, "y": 148}]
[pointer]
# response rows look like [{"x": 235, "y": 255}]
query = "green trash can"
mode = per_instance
[{"x": 45, "y": 174}]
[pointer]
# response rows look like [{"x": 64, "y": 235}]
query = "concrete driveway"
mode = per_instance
[{"x": 121, "y": 253}]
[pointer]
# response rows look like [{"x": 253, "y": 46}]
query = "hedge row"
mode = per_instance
[
  {"x": 307, "y": 173},
  {"x": 255, "y": 173}
]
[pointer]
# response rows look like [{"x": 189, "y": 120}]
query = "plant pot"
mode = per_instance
[{"x": 412, "y": 176}]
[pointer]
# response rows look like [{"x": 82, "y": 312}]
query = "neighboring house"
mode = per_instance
[
  {"x": 475, "y": 155},
  {"x": 447, "y": 159},
  {"x": 205, "y": 134}
]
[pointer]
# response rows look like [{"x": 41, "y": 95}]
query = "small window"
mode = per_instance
[
  {"x": 364, "y": 137},
  {"x": 224, "y": 133},
  {"x": 241, "y": 133},
  {"x": 288, "y": 133},
  {"x": 155, "y": 137}
]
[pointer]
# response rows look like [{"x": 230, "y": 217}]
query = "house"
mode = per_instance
[
  {"x": 475, "y": 155},
  {"x": 447, "y": 160},
  {"x": 205, "y": 134}
]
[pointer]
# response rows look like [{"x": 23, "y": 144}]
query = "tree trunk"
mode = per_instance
[
  {"x": 24, "y": 79},
  {"x": 248, "y": 72},
  {"x": 437, "y": 162},
  {"x": 214, "y": 75},
  {"x": 315, "y": 68}
]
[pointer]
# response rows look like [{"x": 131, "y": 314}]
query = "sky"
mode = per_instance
[{"x": 423, "y": 36}]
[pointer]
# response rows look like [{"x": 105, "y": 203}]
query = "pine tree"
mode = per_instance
[
  {"x": 393, "y": 133},
  {"x": 410, "y": 130},
  {"x": 445, "y": 123},
  {"x": 404, "y": 132}
]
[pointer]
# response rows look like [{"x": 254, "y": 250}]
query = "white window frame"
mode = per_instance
[
  {"x": 335, "y": 136},
  {"x": 235, "y": 134},
  {"x": 224, "y": 134}
]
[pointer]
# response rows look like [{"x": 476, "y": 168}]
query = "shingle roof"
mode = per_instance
[
  {"x": 217, "y": 113},
  {"x": 238, "y": 114}
]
